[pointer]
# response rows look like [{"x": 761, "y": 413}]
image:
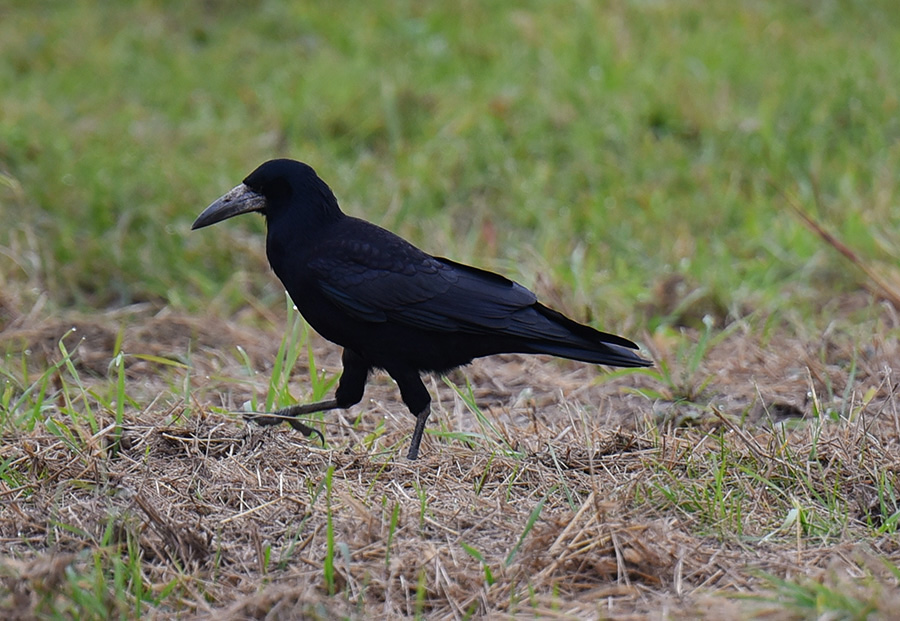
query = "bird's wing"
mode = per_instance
[{"x": 375, "y": 282}]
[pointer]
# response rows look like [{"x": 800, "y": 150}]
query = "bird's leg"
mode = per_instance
[
  {"x": 349, "y": 392},
  {"x": 418, "y": 432},
  {"x": 289, "y": 415},
  {"x": 417, "y": 399}
]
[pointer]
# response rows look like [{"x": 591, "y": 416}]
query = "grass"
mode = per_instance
[
  {"x": 607, "y": 139},
  {"x": 716, "y": 179},
  {"x": 596, "y": 511}
]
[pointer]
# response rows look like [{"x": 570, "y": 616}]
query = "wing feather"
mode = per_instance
[{"x": 386, "y": 279}]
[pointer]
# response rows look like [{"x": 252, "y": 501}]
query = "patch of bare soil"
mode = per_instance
[{"x": 586, "y": 502}]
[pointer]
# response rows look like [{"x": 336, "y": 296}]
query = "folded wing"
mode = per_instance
[{"x": 396, "y": 282}]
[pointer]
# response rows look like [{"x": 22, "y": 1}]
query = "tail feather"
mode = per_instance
[
  {"x": 586, "y": 344},
  {"x": 601, "y": 353}
]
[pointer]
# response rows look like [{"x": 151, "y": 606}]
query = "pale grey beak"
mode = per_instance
[{"x": 240, "y": 199}]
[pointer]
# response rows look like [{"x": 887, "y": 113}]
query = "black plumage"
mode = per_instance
[{"x": 390, "y": 305}]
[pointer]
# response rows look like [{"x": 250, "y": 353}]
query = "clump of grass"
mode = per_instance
[{"x": 834, "y": 597}]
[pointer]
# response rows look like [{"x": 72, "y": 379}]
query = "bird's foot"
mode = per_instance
[{"x": 285, "y": 416}]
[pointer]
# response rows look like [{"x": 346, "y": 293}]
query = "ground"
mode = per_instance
[{"x": 755, "y": 482}]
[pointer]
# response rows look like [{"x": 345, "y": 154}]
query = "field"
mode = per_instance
[{"x": 716, "y": 180}]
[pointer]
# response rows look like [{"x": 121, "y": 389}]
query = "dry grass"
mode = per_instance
[{"x": 583, "y": 496}]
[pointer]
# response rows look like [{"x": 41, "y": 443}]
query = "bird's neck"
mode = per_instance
[{"x": 289, "y": 240}]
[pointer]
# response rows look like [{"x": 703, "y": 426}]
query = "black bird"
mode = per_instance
[{"x": 390, "y": 305}]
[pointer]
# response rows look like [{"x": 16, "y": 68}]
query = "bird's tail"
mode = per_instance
[
  {"x": 601, "y": 353},
  {"x": 586, "y": 344}
]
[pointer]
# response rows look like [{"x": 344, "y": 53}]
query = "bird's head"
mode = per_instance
[{"x": 277, "y": 187}]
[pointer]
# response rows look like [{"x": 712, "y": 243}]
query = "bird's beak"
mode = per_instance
[{"x": 240, "y": 199}]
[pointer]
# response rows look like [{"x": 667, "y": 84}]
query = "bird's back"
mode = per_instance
[{"x": 370, "y": 291}]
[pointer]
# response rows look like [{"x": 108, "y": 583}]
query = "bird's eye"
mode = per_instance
[{"x": 276, "y": 189}]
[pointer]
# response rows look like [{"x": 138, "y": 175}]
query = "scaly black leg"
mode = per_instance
[
  {"x": 417, "y": 399},
  {"x": 421, "y": 418},
  {"x": 289, "y": 415},
  {"x": 349, "y": 392}
]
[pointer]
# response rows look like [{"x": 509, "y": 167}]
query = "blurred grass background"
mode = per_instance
[{"x": 605, "y": 150}]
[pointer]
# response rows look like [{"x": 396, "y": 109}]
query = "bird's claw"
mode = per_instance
[
  {"x": 268, "y": 420},
  {"x": 306, "y": 430}
]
